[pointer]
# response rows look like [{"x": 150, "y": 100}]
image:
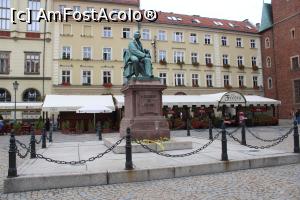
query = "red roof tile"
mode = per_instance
[
  {"x": 188, "y": 20},
  {"x": 126, "y": 2}
]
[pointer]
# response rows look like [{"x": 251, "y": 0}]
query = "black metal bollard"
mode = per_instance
[
  {"x": 99, "y": 133},
  {"x": 224, "y": 144},
  {"x": 50, "y": 133},
  {"x": 188, "y": 127},
  {"x": 296, "y": 138},
  {"x": 44, "y": 139},
  {"x": 12, "y": 160},
  {"x": 210, "y": 130},
  {"x": 244, "y": 134},
  {"x": 32, "y": 146},
  {"x": 128, "y": 164}
]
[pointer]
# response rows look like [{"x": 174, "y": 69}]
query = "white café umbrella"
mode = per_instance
[{"x": 94, "y": 109}]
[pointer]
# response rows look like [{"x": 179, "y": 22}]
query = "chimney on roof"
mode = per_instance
[{"x": 257, "y": 26}]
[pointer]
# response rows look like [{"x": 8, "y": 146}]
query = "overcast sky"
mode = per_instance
[{"x": 222, "y": 9}]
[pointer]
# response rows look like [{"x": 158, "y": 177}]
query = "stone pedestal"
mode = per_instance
[{"x": 143, "y": 109}]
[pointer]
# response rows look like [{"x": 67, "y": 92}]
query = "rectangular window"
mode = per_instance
[
  {"x": 241, "y": 81},
  {"x": 34, "y": 6},
  {"x": 178, "y": 37},
  {"x": 107, "y": 32},
  {"x": 194, "y": 57},
  {"x": 252, "y": 44},
  {"x": 106, "y": 77},
  {"x": 239, "y": 42},
  {"x": 297, "y": 91},
  {"x": 209, "y": 82},
  {"x": 178, "y": 56},
  {"x": 295, "y": 63},
  {"x": 146, "y": 34},
  {"x": 66, "y": 77},
  {"x": 67, "y": 29},
  {"x": 208, "y": 59},
  {"x": 179, "y": 79},
  {"x": 87, "y": 31},
  {"x": 126, "y": 33},
  {"x": 195, "y": 80},
  {"x": 87, "y": 53},
  {"x": 86, "y": 78},
  {"x": 4, "y": 62},
  {"x": 207, "y": 39},
  {"x": 66, "y": 53},
  {"x": 240, "y": 60},
  {"x": 193, "y": 38},
  {"x": 163, "y": 78},
  {"x": 32, "y": 63},
  {"x": 106, "y": 53},
  {"x": 253, "y": 61},
  {"x": 224, "y": 40},
  {"x": 225, "y": 59},
  {"x": 226, "y": 80},
  {"x": 162, "y": 55},
  {"x": 4, "y": 14},
  {"x": 255, "y": 81},
  {"x": 162, "y": 35}
]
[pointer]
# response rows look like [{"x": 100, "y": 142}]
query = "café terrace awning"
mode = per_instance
[
  {"x": 71, "y": 103},
  {"x": 23, "y": 106},
  {"x": 205, "y": 100}
]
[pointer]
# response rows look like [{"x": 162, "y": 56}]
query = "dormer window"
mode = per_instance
[
  {"x": 196, "y": 21},
  {"x": 218, "y": 23}
]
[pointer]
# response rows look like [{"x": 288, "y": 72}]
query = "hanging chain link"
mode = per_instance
[
  {"x": 235, "y": 130},
  {"x": 281, "y": 139},
  {"x": 178, "y": 155},
  {"x": 24, "y": 147},
  {"x": 264, "y": 140},
  {"x": 81, "y": 162}
]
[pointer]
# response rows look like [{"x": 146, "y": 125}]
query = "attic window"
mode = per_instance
[
  {"x": 249, "y": 27},
  {"x": 196, "y": 21},
  {"x": 232, "y": 25},
  {"x": 174, "y": 18},
  {"x": 218, "y": 23}
]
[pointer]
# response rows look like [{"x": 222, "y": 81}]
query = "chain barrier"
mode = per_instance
[
  {"x": 24, "y": 147},
  {"x": 235, "y": 130},
  {"x": 264, "y": 140},
  {"x": 80, "y": 162},
  {"x": 178, "y": 155},
  {"x": 199, "y": 130},
  {"x": 281, "y": 139}
]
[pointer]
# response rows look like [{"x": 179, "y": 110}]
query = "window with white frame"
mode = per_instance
[
  {"x": 267, "y": 43},
  {"x": 225, "y": 59},
  {"x": 162, "y": 35},
  {"x": 268, "y": 62},
  {"x": 106, "y": 77},
  {"x": 195, "y": 80},
  {"x": 178, "y": 36},
  {"x": 193, "y": 38},
  {"x": 4, "y": 62},
  {"x": 67, "y": 29},
  {"x": 4, "y": 14},
  {"x": 270, "y": 83},
  {"x": 162, "y": 55},
  {"x": 106, "y": 53},
  {"x": 241, "y": 81},
  {"x": 179, "y": 79},
  {"x": 226, "y": 80},
  {"x": 107, "y": 32},
  {"x": 194, "y": 57},
  {"x": 65, "y": 77},
  {"x": 34, "y": 6},
  {"x": 146, "y": 34},
  {"x": 295, "y": 62},
  {"x": 252, "y": 44},
  {"x": 209, "y": 81},
  {"x": 32, "y": 63},
  {"x": 207, "y": 39},
  {"x": 87, "y": 53},
  {"x": 208, "y": 59},
  {"x": 66, "y": 53},
  {"x": 163, "y": 78},
  {"x": 239, "y": 42},
  {"x": 126, "y": 33},
  {"x": 178, "y": 56},
  {"x": 86, "y": 77},
  {"x": 240, "y": 61},
  {"x": 224, "y": 40},
  {"x": 255, "y": 81},
  {"x": 254, "y": 61}
]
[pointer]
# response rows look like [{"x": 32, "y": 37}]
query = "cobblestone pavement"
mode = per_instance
[{"x": 267, "y": 183}]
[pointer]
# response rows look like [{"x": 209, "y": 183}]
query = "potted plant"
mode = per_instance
[
  {"x": 255, "y": 68},
  {"x": 226, "y": 66},
  {"x": 65, "y": 83},
  {"x": 180, "y": 63},
  {"x": 196, "y": 64},
  {"x": 241, "y": 67},
  {"x": 38, "y": 126},
  {"x": 163, "y": 62},
  {"x": 209, "y": 65},
  {"x": 107, "y": 85},
  {"x": 17, "y": 128}
]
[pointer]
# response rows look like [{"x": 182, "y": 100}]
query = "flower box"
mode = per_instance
[
  {"x": 226, "y": 66},
  {"x": 163, "y": 62},
  {"x": 65, "y": 84},
  {"x": 209, "y": 65},
  {"x": 195, "y": 64},
  {"x": 255, "y": 87},
  {"x": 228, "y": 87},
  {"x": 180, "y": 63},
  {"x": 241, "y": 67},
  {"x": 86, "y": 59},
  {"x": 242, "y": 87},
  {"x": 255, "y": 68},
  {"x": 107, "y": 85}
]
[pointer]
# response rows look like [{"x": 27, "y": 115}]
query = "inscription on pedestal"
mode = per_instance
[{"x": 148, "y": 103}]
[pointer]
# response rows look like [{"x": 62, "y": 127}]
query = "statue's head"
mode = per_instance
[{"x": 137, "y": 35}]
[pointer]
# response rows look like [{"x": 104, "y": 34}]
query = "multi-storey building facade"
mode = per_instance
[
  {"x": 191, "y": 54},
  {"x": 280, "y": 40},
  {"x": 25, "y": 54}
]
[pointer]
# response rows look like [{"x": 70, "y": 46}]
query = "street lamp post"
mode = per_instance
[{"x": 16, "y": 85}]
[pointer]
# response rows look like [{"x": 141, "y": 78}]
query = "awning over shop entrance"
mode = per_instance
[
  {"x": 10, "y": 106},
  {"x": 61, "y": 103}
]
